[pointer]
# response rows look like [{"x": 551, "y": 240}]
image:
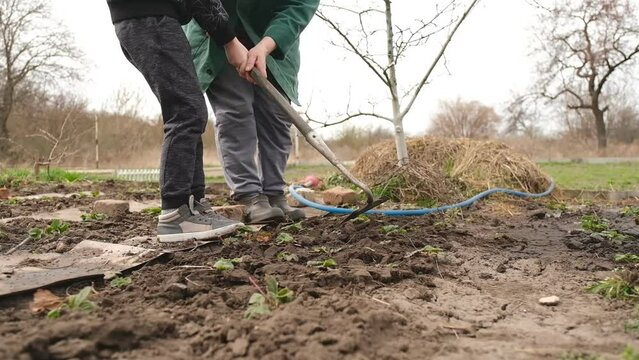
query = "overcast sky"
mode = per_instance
[{"x": 488, "y": 60}]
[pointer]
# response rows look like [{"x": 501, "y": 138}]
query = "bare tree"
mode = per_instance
[
  {"x": 461, "y": 119},
  {"x": 522, "y": 117},
  {"x": 374, "y": 23},
  {"x": 585, "y": 43},
  {"x": 34, "y": 48}
]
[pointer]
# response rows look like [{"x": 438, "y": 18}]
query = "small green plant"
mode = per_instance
[
  {"x": 245, "y": 230},
  {"x": 296, "y": 227},
  {"x": 328, "y": 263},
  {"x": 391, "y": 189},
  {"x": 225, "y": 264},
  {"x": 326, "y": 250},
  {"x": 93, "y": 217},
  {"x": 153, "y": 211},
  {"x": 618, "y": 286},
  {"x": 77, "y": 302},
  {"x": 13, "y": 201},
  {"x": 57, "y": 227},
  {"x": 557, "y": 206},
  {"x": 36, "y": 234},
  {"x": 626, "y": 258},
  {"x": 339, "y": 180},
  {"x": 426, "y": 203},
  {"x": 59, "y": 175},
  {"x": 392, "y": 229},
  {"x": 630, "y": 211},
  {"x": 288, "y": 257},
  {"x": 119, "y": 282},
  {"x": 615, "y": 236},
  {"x": 594, "y": 223},
  {"x": 431, "y": 250},
  {"x": 95, "y": 193},
  {"x": 629, "y": 353},
  {"x": 361, "y": 219},
  {"x": 284, "y": 238},
  {"x": 263, "y": 303}
]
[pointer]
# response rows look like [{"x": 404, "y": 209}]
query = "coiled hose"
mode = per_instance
[{"x": 419, "y": 212}]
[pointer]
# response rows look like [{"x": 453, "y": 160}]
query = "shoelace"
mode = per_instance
[{"x": 207, "y": 206}]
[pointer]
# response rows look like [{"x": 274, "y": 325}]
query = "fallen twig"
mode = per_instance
[
  {"x": 13, "y": 249},
  {"x": 257, "y": 286}
]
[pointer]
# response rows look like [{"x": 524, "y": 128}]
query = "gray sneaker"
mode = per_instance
[
  {"x": 186, "y": 223},
  {"x": 279, "y": 201},
  {"x": 259, "y": 211}
]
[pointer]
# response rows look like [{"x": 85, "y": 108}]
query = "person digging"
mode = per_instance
[
  {"x": 152, "y": 39},
  {"x": 253, "y": 134}
]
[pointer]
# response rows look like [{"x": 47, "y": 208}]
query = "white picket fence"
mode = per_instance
[{"x": 138, "y": 174}]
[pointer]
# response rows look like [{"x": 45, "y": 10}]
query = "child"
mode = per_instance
[{"x": 152, "y": 39}]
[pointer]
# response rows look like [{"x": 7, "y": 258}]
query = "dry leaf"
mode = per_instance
[
  {"x": 264, "y": 237},
  {"x": 45, "y": 300},
  {"x": 4, "y": 194}
]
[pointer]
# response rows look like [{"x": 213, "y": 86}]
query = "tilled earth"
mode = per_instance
[{"x": 385, "y": 299}]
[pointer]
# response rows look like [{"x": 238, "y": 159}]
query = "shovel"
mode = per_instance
[{"x": 317, "y": 142}]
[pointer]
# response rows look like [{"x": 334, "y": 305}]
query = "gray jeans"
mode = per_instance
[
  {"x": 158, "y": 48},
  {"x": 253, "y": 136}
]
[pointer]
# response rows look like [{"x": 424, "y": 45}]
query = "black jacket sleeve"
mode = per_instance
[{"x": 213, "y": 18}]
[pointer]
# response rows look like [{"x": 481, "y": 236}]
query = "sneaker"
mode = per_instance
[
  {"x": 186, "y": 223},
  {"x": 279, "y": 201},
  {"x": 259, "y": 211}
]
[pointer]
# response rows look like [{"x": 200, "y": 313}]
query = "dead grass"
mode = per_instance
[{"x": 448, "y": 170}]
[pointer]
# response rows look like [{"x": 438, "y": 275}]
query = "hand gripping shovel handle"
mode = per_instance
[{"x": 316, "y": 141}]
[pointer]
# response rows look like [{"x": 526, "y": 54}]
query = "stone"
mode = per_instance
[
  {"x": 61, "y": 247},
  {"x": 111, "y": 208},
  {"x": 338, "y": 196},
  {"x": 307, "y": 194},
  {"x": 362, "y": 276},
  {"x": 549, "y": 301},
  {"x": 240, "y": 347},
  {"x": 233, "y": 212}
]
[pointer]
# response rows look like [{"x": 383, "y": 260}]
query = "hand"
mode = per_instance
[
  {"x": 257, "y": 57},
  {"x": 236, "y": 54}
]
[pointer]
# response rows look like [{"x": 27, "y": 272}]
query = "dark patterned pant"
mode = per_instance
[{"x": 158, "y": 48}]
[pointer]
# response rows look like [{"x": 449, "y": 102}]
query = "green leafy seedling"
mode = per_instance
[
  {"x": 95, "y": 193},
  {"x": 263, "y": 304},
  {"x": 328, "y": 263},
  {"x": 153, "y": 211},
  {"x": 245, "y": 230},
  {"x": 284, "y": 238},
  {"x": 361, "y": 219},
  {"x": 36, "y": 234},
  {"x": 557, "y": 206},
  {"x": 93, "y": 217},
  {"x": 431, "y": 250},
  {"x": 77, "y": 302},
  {"x": 594, "y": 223},
  {"x": 288, "y": 257},
  {"x": 119, "y": 282},
  {"x": 392, "y": 229},
  {"x": 57, "y": 227},
  {"x": 630, "y": 211},
  {"x": 614, "y": 236},
  {"x": 296, "y": 227},
  {"x": 224, "y": 265},
  {"x": 626, "y": 258}
]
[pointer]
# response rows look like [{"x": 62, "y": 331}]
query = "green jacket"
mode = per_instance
[{"x": 282, "y": 20}]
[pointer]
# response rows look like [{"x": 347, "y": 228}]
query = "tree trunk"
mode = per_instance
[
  {"x": 398, "y": 120},
  {"x": 600, "y": 125}
]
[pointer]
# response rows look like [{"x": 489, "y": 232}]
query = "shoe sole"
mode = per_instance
[
  {"x": 203, "y": 235},
  {"x": 273, "y": 220}
]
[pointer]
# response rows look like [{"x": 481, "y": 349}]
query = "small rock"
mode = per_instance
[
  {"x": 240, "y": 347},
  {"x": 362, "y": 276},
  {"x": 233, "y": 212},
  {"x": 175, "y": 291},
  {"x": 338, "y": 196},
  {"x": 549, "y": 301},
  {"x": 111, "y": 208},
  {"x": 61, "y": 247}
]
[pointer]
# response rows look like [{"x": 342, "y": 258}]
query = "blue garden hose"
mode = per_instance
[{"x": 419, "y": 212}]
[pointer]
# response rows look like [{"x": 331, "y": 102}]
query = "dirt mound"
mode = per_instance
[{"x": 447, "y": 170}]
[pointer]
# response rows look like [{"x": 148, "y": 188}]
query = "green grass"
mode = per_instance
[
  {"x": 581, "y": 176},
  {"x": 17, "y": 177}
]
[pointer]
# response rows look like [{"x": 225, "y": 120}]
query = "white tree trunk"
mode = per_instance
[{"x": 398, "y": 119}]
